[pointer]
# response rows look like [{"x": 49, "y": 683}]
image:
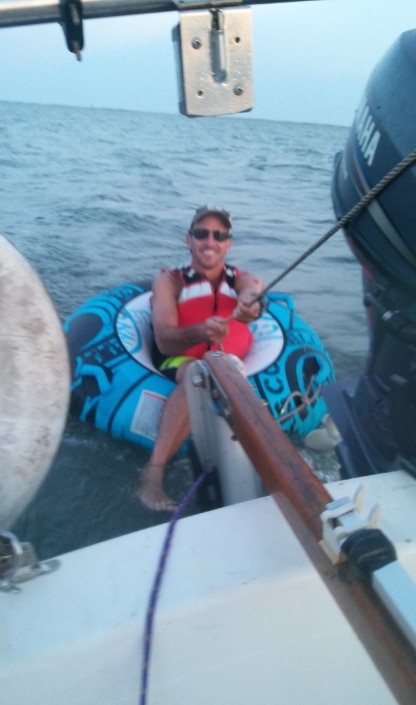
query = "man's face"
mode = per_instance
[{"x": 208, "y": 253}]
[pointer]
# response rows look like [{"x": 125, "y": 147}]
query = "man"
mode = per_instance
[{"x": 201, "y": 307}]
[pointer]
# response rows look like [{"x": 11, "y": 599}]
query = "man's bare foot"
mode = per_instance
[{"x": 151, "y": 494}]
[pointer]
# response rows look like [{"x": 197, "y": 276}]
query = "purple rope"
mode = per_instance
[{"x": 154, "y": 594}]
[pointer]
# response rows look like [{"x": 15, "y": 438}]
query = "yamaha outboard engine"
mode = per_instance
[{"x": 377, "y": 415}]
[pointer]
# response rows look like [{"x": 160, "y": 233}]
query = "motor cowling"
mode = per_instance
[
  {"x": 377, "y": 415},
  {"x": 383, "y": 236}
]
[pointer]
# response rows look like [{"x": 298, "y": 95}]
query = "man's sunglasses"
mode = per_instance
[{"x": 203, "y": 234}]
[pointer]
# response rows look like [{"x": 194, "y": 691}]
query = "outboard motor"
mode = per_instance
[{"x": 377, "y": 416}]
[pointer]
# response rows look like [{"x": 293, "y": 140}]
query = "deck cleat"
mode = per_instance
[{"x": 340, "y": 519}]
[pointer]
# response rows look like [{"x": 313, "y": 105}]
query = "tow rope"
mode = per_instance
[
  {"x": 154, "y": 594},
  {"x": 355, "y": 210}
]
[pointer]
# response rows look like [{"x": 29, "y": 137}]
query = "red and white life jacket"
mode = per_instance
[{"x": 199, "y": 300}]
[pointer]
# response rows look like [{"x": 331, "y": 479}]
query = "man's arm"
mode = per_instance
[
  {"x": 247, "y": 286},
  {"x": 172, "y": 339}
]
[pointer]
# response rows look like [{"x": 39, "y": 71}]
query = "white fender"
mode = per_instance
[{"x": 34, "y": 382}]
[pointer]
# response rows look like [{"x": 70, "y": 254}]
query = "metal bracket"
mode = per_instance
[
  {"x": 18, "y": 563},
  {"x": 206, "y": 380},
  {"x": 214, "y": 52},
  {"x": 340, "y": 519}
]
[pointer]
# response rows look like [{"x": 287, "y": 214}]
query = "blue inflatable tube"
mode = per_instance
[{"x": 116, "y": 387}]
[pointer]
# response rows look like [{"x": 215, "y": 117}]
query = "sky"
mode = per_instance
[{"x": 311, "y": 60}]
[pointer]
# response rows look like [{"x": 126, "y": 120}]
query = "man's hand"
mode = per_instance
[
  {"x": 216, "y": 328},
  {"x": 245, "y": 313}
]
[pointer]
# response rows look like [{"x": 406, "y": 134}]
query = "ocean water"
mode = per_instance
[{"x": 95, "y": 198}]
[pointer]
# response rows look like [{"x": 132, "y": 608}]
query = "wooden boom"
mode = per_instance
[{"x": 302, "y": 498}]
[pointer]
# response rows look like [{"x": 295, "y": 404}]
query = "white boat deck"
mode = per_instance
[{"x": 242, "y": 616}]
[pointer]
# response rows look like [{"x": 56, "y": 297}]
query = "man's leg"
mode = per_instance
[{"x": 173, "y": 431}]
